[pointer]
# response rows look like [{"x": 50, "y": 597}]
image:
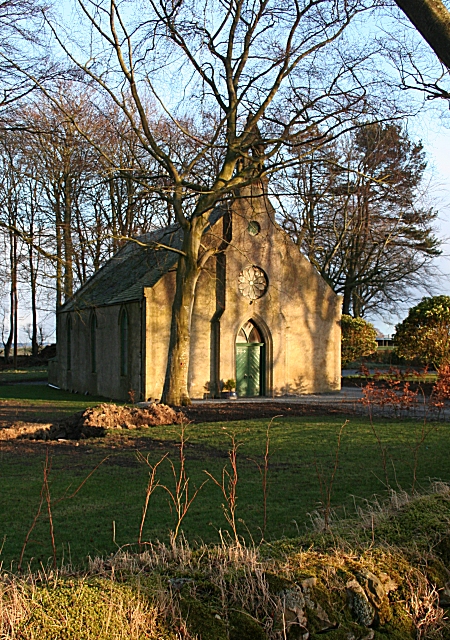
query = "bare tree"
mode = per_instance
[
  {"x": 238, "y": 82},
  {"x": 61, "y": 162},
  {"x": 32, "y": 227},
  {"x": 122, "y": 196},
  {"x": 10, "y": 198},
  {"x": 94, "y": 200}
]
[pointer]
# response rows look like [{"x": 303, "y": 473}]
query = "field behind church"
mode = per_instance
[{"x": 106, "y": 512}]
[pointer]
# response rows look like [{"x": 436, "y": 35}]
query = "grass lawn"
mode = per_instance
[
  {"x": 106, "y": 512},
  {"x": 41, "y": 403},
  {"x": 24, "y": 375}
]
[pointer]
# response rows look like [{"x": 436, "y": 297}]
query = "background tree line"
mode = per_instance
[
  {"x": 353, "y": 206},
  {"x": 64, "y": 210},
  {"x": 356, "y": 208}
]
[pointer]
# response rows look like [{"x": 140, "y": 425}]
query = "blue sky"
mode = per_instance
[{"x": 433, "y": 128}]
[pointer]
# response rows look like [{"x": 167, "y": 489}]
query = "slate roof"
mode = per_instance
[{"x": 124, "y": 276}]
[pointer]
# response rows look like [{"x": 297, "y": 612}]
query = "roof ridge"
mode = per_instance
[{"x": 98, "y": 287}]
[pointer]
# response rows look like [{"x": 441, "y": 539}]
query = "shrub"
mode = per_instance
[
  {"x": 425, "y": 333},
  {"x": 358, "y": 338}
]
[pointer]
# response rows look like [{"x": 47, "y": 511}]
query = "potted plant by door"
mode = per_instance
[{"x": 229, "y": 389}]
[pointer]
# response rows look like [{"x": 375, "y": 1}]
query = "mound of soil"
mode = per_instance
[
  {"x": 111, "y": 416},
  {"x": 94, "y": 421}
]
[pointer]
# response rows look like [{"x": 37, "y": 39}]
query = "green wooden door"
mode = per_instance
[
  {"x": 241, "y": 370},
  {"x": 254, "y": 373},
  {"x": 248, "y": 370}
]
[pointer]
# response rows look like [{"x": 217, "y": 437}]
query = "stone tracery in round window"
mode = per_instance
[{"x": 252, "y": 282}]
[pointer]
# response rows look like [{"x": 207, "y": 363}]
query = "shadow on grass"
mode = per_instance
[{"x": 41, "y": 403}]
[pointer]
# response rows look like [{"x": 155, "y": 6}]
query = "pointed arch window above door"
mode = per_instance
[
  {"x": 93, "y": 328},
  {"x": 69, "y": 343},
  {"x": 249, "y": 332}
]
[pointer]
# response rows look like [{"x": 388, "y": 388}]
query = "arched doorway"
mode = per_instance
[{"x": 250, "y": 361}]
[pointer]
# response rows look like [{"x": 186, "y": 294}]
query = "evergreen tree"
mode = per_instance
[{"x": 356, "y": 212}]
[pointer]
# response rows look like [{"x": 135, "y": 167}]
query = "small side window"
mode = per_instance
[
  {"x": 94, "y": 343},
  {"x": 69, "y": 343},
  {"x": 124, "y": 343}
]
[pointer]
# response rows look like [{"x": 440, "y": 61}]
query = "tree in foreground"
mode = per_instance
[
  {"x": 358, "y": 339},
  {"x": 215, "y": 92},
  {"x": 431, "y": 18},
  {"x": 425, "y": 333}
]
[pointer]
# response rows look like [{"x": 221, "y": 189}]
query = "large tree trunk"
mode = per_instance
[
  {"x": 12, "y": 338},
  {"x": 34, "y": 327},
  {"x": 33, "y": 276},
  {"x": 356, "y": 304},
  {"x": 59, "y": 256},
  {"x": 346, "y": 300},
  {"x": 432, "y": 20},
  {"x": 12, "y": 294},
  {"x": 113, "y": 229},
  {"x": 16, "y": 313},
  {"x": 67, "y": 238},
  {"x": 175, "y": 390}
]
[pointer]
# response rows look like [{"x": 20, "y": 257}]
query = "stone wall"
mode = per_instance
[
  {"x": 106, "y": 380},
  {"x": 299, "y": 315}
]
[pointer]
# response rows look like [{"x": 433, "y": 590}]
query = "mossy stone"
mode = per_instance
[
  {"x": 81, "y": 609},
  {"x": 437, "y": 572},
  {"x": 202, "y": 621},
  {"x": 442, "y": 549},
  {"x": 341, "y": 633},
  {"x": 243, "y": 627},
  {"x": 277, "y": 584},
  {"x": 400, "y": 626}
]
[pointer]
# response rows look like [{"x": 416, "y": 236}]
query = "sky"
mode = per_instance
[
  {"x": 433, "y": 128},
  {"x": 438, "y": 148}
]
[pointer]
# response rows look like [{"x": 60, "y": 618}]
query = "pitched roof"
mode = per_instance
[{"x": 123, "y": 277}]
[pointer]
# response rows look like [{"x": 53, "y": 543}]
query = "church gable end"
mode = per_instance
[{"x": 262, "y": 316}]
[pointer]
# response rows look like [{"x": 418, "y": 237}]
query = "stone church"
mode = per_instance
[{"x": 262, "y": 315}]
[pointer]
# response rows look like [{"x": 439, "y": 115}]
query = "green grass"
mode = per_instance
[
  {"x": 112, "y": 499},
  {"x": 24, "y": 375},
  {"x": 30, "y": 403},
  {"x": 44, "y": 393},
  {"x": 226, "y": 593}
]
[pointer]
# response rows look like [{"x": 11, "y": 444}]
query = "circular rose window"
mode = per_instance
[{"x": 252, "y": 283}]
